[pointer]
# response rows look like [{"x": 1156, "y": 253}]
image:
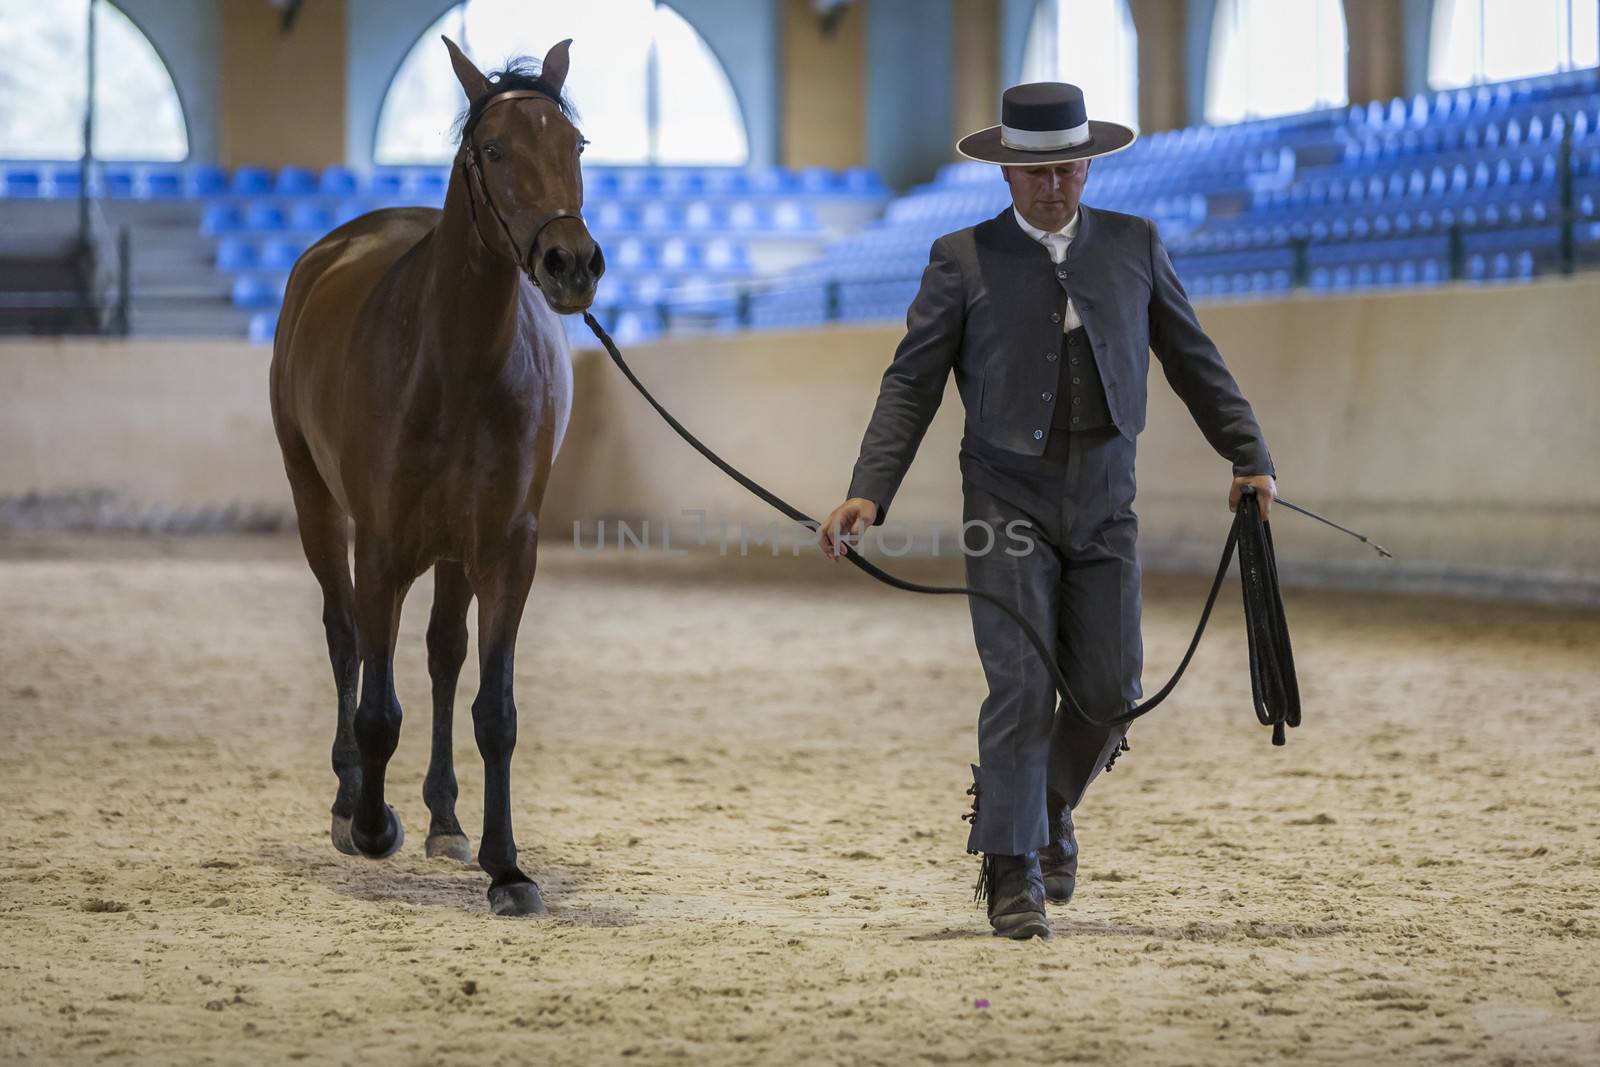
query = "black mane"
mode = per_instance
[{"x": 520, "y": 72}]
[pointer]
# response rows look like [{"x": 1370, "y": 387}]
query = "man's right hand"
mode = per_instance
[{"x": 844, "y": 525}]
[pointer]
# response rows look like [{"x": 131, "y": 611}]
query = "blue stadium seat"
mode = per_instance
[
  {"x": 703, "y": 215},
  {"x": 792, "y": 215},
  {"x": 728, "y": 182},
  {"x": 280, "y": 254},
  {"x": 600, "y": 183},
  {"x": 638, "y": 184},
  {"x": 116, "y": 182},
  {"x": 678, "y": 254},
  {"x": 165, "y": 183},
  {"x": 633, "y": 327},
  {"x": 679, "y": 181},
  {"x": 613, "y": 215},
  {"x": 429, "y": 185},
  {"x": 631, "y": 253},
  {"x": 263, "y": 327},
  {"x": 661, "y": 215},
  {"x": 23, "y": 182},
  {"x": 773, "y": 181},
  {"x": 295, "y": 181},
  {"x": 66, "y": 180},
  {"x": 251, "y": 291},
  {"x": 220, "y": 218},
  {"x": 236, "y": 254},
  {"x": 337, "y": 181},
  {"x": 206, "y": 181},
  {"x": 350, "y": 209},
  {"x": 727, "y": 256},
  {"x": 261, "y": 215},
  {"x": 310, "y": 216},
  {"x": 252, "y": 181},
  {"x": 387, "y": 184}
]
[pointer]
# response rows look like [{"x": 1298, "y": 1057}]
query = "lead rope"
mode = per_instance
[{"x": 1272, "y": 679}]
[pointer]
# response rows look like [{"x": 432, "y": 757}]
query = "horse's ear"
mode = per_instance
[
  {"x": 553, "y": 71},
  {"x": 470, "y": 77}
]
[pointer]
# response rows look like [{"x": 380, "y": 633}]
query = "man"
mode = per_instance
[{"x": 1047, "y": 314}]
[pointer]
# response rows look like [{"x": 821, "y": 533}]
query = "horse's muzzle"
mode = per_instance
[{"x": 567, "y": 265}]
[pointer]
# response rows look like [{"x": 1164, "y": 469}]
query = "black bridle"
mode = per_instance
[{"x": 478, "y": 189}]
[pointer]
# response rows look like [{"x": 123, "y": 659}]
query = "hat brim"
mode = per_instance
[{"x": 1104, "y": 139}]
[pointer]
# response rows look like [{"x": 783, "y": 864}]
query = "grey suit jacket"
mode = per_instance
[{"x": 990, "y": 308}]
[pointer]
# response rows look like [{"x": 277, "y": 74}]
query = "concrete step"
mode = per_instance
[{"x": 172, "y": 321}]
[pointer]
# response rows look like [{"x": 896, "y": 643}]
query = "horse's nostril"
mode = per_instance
[
  {"x": 597, "y": 262},
  {"x": 558, "y": 262}
]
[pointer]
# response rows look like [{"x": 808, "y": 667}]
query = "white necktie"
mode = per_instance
[{"x": 1057, "y": 245}]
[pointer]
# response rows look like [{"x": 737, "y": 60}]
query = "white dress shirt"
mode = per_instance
[{"x": 1057, "y": 244}]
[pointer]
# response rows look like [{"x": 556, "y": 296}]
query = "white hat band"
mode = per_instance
[{"x": 1043, "y": 140}]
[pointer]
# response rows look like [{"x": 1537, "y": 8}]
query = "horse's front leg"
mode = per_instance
[
  {"x": 380, "y": 589},
  {"x": 447, "y": 650},
  {"x": 502, "y": 580}
]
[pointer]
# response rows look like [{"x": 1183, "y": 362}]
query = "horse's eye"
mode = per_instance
[
  {"x": 492, "y": 152},
  {"x": 582, "y": 141}
]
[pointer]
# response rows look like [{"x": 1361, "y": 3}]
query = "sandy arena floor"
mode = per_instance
[{"x": 741, "y": 786}]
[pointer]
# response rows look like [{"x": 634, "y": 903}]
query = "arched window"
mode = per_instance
[
  {"x": 1493, "y": 40},
  {"x": 1093, "y": 45},
  {"x": 1275, "y": 57},
  {"x": 647, "y": 87},
  {"x": 44, "y": 84}
]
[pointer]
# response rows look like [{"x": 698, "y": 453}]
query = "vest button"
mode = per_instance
[
  {"x": 1074, "y": 361},
  {"x": 1077, "y": 381},
  {"x": 1049, "y": 357},
  {"x": 1077, "y": 400},
  {"x": 1061, "y": 274},
  {"x": 1046, "y": 397},
  {"x": 1076, "y": 420},
  {"x": 1038, "y": 435},
  {"x": 1055, "y": 316},
  {"x": 1072, "y": 339}
]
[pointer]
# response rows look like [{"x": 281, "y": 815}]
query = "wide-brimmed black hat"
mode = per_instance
[{"x": 1043, "y": 123}]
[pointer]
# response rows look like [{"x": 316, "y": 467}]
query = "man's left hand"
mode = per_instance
[{"x": 1266, "y": 492}]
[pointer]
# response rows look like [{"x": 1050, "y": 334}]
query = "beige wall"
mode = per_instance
[
  {"x": 824, "y": 113},
  {"x": 168, "y": 423},
  {"x": 1456, "y": 427},
  {"x": 282, "y": 95},
  {"x": 1162, "y": 70},
  {"x": 974, "y": 67},
  {"x": 1376, "y": 63}
]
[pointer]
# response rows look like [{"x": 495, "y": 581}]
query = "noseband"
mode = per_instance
[{"x": 478, "y": 189}]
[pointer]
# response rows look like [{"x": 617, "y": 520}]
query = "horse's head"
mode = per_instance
[{"x": 519, "y": 157}]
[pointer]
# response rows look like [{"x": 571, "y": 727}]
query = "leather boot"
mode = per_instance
[
  {"x": 1058, "y": 861},
  {"x": 1015, "y": 891}
]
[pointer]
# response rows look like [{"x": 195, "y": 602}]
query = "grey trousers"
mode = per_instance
[{"x": 1078, "y": 585}]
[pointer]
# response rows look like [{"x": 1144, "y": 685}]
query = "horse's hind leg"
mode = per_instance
[
  {"x": 447, "y": 650},
  {"x": 323, "y": 535},
  {"x": 380, "y": 589}
]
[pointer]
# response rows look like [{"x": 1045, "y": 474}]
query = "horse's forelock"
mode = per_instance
[{"x": 520, "y": 72}]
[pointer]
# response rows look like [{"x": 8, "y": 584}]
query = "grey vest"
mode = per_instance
[{"x": 1080, "y": 396}]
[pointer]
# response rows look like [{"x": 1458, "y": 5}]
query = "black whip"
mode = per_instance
[{"x": 1272, "y": 678}]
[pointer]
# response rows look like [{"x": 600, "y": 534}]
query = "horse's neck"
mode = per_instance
[{"x": 473, "y": 289}]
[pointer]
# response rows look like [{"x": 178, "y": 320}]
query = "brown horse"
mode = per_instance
[{"x": 421, "y": 384}]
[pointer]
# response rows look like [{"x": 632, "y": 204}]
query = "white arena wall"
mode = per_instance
[{"x": 1457, "y": 427}]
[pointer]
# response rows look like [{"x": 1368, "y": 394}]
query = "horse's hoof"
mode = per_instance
[
  {"x": 385, "y": 844},
  {"x": 341, "y": 835},
  {"x": 517, "y": 898},
  {"x": 449, "y": 847}
]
